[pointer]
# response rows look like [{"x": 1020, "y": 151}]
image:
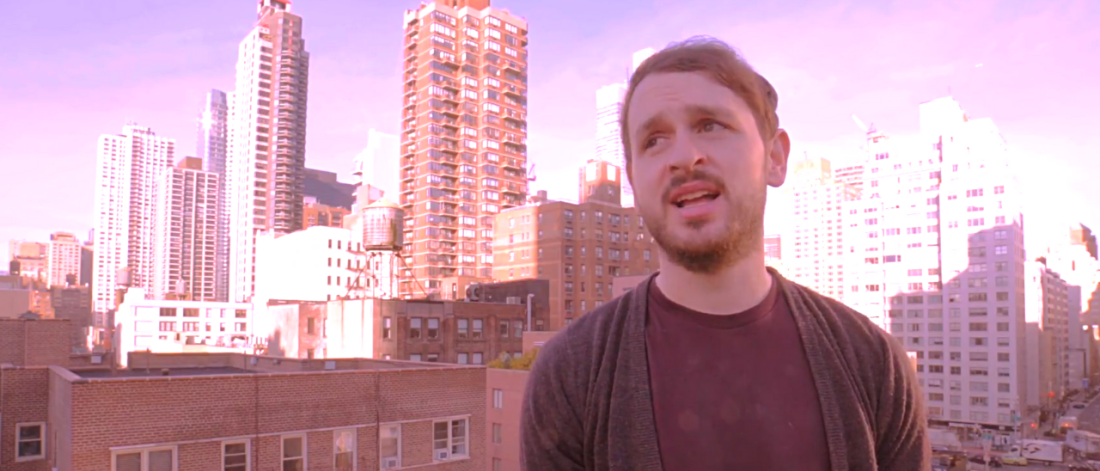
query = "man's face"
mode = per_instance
[{"x": 700, "y": 169}]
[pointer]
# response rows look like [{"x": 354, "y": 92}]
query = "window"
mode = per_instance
[
  {"x": 149, "y": 459},
  {"x": 478, "y": 358},
  {"x": 414, "y": 327},
  {"x": 463, "y": 328},
  {"x": 294, "y": 453},
  {"x": 390, "y": 446},
  {"x": 503, "y": 329},
  {"x": 387, "y": 328},
  {"x": 415, "y": 357},
  {"x": 311, "y": 326},
  {"x": 463, "y": 358},
  {"x": 497, "y": 434},
  {"x": 30, "y": 441},
  {"x": 498, "y": 399},
  {"x": 478, "y": 323},
  {"x": 235, "y": 456},
  {"x": 433, "y": 328},
  {"x": 343, "y": 450},
  {"x": 449, "y": 440}
]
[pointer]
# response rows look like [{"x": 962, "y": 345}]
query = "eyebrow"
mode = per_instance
[{"x": 694, "y": 111}]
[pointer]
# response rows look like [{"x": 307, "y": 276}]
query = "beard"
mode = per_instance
[{"x": 740, "y": 234}]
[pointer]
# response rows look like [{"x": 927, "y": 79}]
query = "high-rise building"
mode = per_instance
[
  {"x": 936, "y": 256},
  {"x": 212, "y": 148},
  {"x": 130, "y": 166},
  {"x": 377, "y": 164},
  {"x": 1046, "y": 334},
  {"x": 609, "y": 144},
  {"x": 33, "y": 258},
  {"x": 464, "y": 136},
  {"x": 63, "y": 260},
  {"x": 609, "y": 107},
  {"x": 265, "y": 166},
  {"x": 580, "y": 248},
  {"x": 186, "y": 232},
  {"x": 815, "y": 255}
]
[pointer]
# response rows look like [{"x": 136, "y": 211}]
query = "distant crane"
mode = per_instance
[{"x": 531, "y": 173}]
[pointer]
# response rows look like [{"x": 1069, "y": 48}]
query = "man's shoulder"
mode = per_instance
[
  {"x": 841, "y": 321},
  {"x": 586, "y": 335}
]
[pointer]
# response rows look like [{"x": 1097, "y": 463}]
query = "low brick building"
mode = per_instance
[
  {"x": 503, "y": 404},
  {"x": 199, "y": 412}
]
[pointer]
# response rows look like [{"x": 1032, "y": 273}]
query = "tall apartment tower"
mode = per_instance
[
  {"x": 1046, "y": 335},
  {"x": 212, "y": 148},
  {"x": 265, "y": 166},
  {"x": 187, "y": 233},
  {"x": 129, "y": 168},
  {"x": 609, "y": 144},
  {"x": 816, "y": 238},
  {"x": 63, "y": 259},
  {"x": 464, "y": 137},
  {"x": 377, "y": 164},
  {"x": 937, "y": 258},
  {"x": 609, "y": 108}
]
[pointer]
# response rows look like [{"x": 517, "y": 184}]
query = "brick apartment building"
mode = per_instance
[
  {"x": 417, "y": 330},
  {"x": 200, "y": 412},
  {"x": 578, "y": 247},
  {"x": 503, "y": 404}
]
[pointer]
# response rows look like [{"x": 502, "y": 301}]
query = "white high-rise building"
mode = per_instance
[
  {"x": 63, "y": 259},
  {"x": 212, "y": 148},
  {"x": 815, "y": 239},
  {"x": 936, "y": 256},
  {"x": 187, "y": 233},
  {"x": 265, "y": 166},
  {"x": 128, "y": 169},
  {"x": 609, "y": 107},
  {"x": 377, "y": 164}
]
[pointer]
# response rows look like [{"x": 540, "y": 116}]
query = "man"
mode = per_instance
[{"x": 717, "y": 362}]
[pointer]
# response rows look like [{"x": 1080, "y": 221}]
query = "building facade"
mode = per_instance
[
  {"x": 936, "y": 257},
  {"x": 609, "y": 143},
  {"x": 816, "y": 253},
  {"x": 580, "y": 248},
  {"x": 212, "y": 147},
  {"x": 1046, "y": 336},
  {"x": 130, "y": 168},
  {"x": 377, "y": 164},
  {"x": 176, "y": 326},
  {"x": 464, "y": 136},
  {"x": 317, "y": 214},
  {"x": 267, "y": 137},
  {"x": 64, "y": 260},
  {"x": 186, "y": 233}
]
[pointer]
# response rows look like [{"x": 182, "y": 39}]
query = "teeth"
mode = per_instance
[{"x": 692, "y": 195}]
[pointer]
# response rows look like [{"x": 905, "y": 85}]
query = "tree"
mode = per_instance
[{"x": 523, "y": 362}]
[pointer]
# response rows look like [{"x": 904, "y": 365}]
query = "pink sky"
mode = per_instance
[{"x": 70, "y": 73}]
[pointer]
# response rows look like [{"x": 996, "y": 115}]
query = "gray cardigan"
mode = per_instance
[{"x": 588, "y": 403}]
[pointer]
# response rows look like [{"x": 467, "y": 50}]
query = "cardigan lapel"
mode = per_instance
[{"x": 637, "y": 446}]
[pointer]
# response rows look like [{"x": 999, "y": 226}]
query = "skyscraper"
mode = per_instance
[
  {"x": 212, "y": 148},
  {"x": 936, "y": 257},
  {"x": 609, "y": 107},
  {"x": 377, "y": 164},
  {"x": 129, "y": 167},
  {"x": 815, "y": 255},
  {"x": 186, "y": 233},
  {"x": 63, "y": 259},
  {"x": 267, "y": 138},
  {"x": 464, "y": 136}
]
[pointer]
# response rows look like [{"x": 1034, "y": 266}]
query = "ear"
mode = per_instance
[{"x": 775, "y": 171}]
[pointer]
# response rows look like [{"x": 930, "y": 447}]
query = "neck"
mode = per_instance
[{"x": 732, "y": 289}]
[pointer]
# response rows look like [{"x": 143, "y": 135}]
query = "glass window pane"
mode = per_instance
[
  {"x": 128, "y": 462},
  {"x": 160, "y": 460},
  {"x": 292, "y": 447}
]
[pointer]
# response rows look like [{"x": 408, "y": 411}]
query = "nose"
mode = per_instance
[{"x": 686, "y": 154}]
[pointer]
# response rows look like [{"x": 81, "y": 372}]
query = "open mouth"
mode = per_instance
[{"x": 695, "y": 197}]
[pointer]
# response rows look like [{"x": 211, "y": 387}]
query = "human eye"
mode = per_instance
[{"x": 710, "y": 125}]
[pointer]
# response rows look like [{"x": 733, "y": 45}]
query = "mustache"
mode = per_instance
[{"x": 681, "y": 179}]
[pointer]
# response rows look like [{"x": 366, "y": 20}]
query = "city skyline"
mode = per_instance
[{"x": 972, "y": 59}]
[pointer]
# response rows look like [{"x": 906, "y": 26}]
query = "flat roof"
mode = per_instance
[{"x": 156, "y": 372}]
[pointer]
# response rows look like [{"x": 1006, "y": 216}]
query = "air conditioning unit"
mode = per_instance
[
  {"x": 442, "y": 455},
  {"x": 389, "y": 463}
]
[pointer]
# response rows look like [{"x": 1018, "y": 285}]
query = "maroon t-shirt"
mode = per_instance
[{"x": 733, "y": 392}]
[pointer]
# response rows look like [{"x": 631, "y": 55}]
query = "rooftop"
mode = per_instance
[{"x": 153, "y": 372}]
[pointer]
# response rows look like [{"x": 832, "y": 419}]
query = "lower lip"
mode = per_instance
[{"x": 698, "y": 210}]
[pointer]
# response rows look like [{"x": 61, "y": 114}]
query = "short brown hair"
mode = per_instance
[{"x": 724, "y": 65}]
